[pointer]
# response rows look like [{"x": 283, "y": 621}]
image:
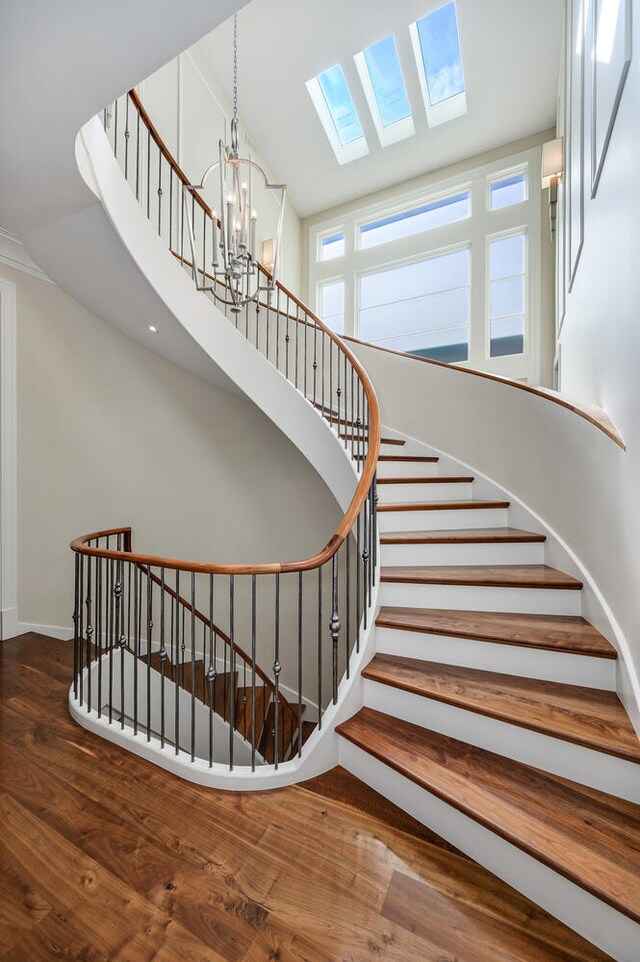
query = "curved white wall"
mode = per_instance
[{"x": 563, "y": 468}]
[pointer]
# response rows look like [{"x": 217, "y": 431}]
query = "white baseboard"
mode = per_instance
[
  {"x": 51, "y": 631},
  {"x": 9, "y": 626}
]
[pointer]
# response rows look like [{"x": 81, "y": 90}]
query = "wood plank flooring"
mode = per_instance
[{"x": 105, "y": 858}]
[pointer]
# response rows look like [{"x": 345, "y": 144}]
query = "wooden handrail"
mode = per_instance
[{"x": 81, "y": 545}]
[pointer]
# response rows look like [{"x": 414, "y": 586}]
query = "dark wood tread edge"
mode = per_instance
[
  {"x": 429, "y": 480},
  {"x": 444, "y": 506},
  {"x": 486, "y": 821}
]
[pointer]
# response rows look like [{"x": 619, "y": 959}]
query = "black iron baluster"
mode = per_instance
[
  {"x": 211, "y": 673},
  {"x": 149, "y": 630},
  {"x": 268, "y": 321},
  {"x": 138, "y": 157},
  {"x": 99, "y": 624},
  {"x": 126, "y": 139},
  {"x": 365, "y": 561},
  {"x": 347, "y": 603},
  {"x": 305, "y": 322},
  {"x": 193, "y": 666},
  {"x": 374, "y": 524},
  {"x": 137, "y": 575},
  {"x": 110, "y": 631},
  {"x": 334, "y": 625},
  {"x": 176, "y": 669},
  {"x": 299, "y": 664},
  {"x": 159, "y": 192},
  {"x": 287, "y": 338},
  {"x": 323, "y": 340},
  {"x": 353, "y": 425},
  {"x": 115, "y": 129},
  {"x": 148, "y": 173},
  {"x": 297, "y": 323},
  {"x": 338, "y": 391},
  {"x": 232, "y": 661},
  {"x": 76, "y": 623},
  {"x": 253, "y": 671},
  {"x": 278, "y": 329},
  {"x": 170, "y": 208},
  {"x": 204, "y": 248},
  {"x": 163, "y": 657},
  {"x": 358, "y": 618},
  {"x": 276, "y": 671},
  {"x": 315, "y": 363},
  {"x": 319, "y": 648},
  {"x": 81, "y": 629},
  {"x": 329, "y": 414}
]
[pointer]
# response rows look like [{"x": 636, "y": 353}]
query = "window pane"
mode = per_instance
[
  {"x": 511, "y": 190},
  {"x": 331, "y": 247},
  {"x": 331, "y": 305},
  {"x": 421, "y": 308},
  {"x": 440, "y": 46},
  {"x": 507, "y": 256},
  {"x": 341, "y": 107},
  {"x": 507, "y": 336},
  {"x": 507, "y": 296},
  {"x": 387, "y": 81},
  {"x": 447, "y": 210},
  {"x": 507, "y": 277}
]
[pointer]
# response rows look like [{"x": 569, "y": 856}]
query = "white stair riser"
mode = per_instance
[
  {"x": 549, "y": 601},
  {"x": 616, "y": 776},
  {"x": 504, "y": 553},
  {"x": 596, "y": 921},
  {"x": 440, "y": 491},
  {"x": 442, "y": 519},
  {"x": 559, "y": 666},
  {"x": 407, "y": 469}
]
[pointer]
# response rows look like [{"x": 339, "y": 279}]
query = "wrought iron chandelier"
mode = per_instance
[{"x": 233, "y": 274}]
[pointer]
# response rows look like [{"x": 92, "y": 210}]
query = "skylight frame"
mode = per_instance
[
  {"x": 445, "y": 110},
  {"x": 400, "y": 129},
  {"x": 345, "y": 153}
]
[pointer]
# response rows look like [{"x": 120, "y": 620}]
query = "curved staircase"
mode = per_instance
[
  {"x": 484, "y": 704},
  {"x": 490, "y": 711}
]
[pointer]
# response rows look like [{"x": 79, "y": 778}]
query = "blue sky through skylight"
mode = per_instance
[
  {"x": 341, "y": 107},
  {"x": 387, "y": 81},
  {"x": 440, "y": 46}
]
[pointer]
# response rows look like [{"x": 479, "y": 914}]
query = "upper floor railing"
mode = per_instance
[{"x": 150, "y": 652}]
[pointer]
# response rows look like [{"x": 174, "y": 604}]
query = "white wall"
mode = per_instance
[
  {"x": 110, "y": 434},
  {"x": 600, "y": 336},
  {"x": 192, "y": 114}
]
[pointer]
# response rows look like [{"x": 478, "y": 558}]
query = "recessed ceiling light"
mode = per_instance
[{"x": 152, "y": 328}]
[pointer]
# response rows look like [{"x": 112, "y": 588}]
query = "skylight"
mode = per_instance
[
  {"x": 383, "y": 84},
  {"x": 436, "y": 46},
  {"x": 338, "y": 115}
]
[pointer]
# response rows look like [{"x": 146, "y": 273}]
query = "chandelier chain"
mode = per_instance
[{"x": 235, "y": 67}]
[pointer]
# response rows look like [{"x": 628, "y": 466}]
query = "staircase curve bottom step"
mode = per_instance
[{"x": 573, "y": 850}]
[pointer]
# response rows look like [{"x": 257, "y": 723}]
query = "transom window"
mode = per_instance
[
  {"x": 331, "y": 246},
  {"x": 445, "y": 210},
  {"x": 508, "y": 191}
]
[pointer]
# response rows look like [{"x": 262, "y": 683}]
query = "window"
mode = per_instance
[
  {"x": 446, "y": 210},
  {"x": 331, "y": 246},
  {"x": 508, "y": 191},
  {"x": 338, "y": 115},
  {"x": 436, "y": 47},
  {"x": 421, "y": 308},
  {"x": 383, "y": 85},
  {"x": 331, "y": 304},
  {"x": 507, "y": 271}
]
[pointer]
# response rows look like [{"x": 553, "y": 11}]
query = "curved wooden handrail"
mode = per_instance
[
  {"x": 590, "y": 412},
  {"x": 367, "y": 476}
]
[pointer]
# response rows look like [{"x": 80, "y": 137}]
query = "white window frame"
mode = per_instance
[
  {"x": 505, "y": 175},
  {"x": 523, "y": 230},
  {"x": 482, "y": 224}
]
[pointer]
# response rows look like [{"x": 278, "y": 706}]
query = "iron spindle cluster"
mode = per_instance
[{"x": 147, "y": 658}]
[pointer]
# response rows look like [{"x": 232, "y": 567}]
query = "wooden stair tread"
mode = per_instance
[
  {"x": 430, "y": 480},
  {"x": 590, "y": 838},
  {"x": 569, "y": 633},
  {"x": 502, "y": 576},
  {"x": 585, "y": 716},
  {"x": 408, "y": 458},
  {"x": 467, "y": 505},
  {"x": 462, "y": 536},
  {"x": 364, "y": 437}
]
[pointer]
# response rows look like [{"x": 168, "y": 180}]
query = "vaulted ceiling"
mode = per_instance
[{"x": 511, "y": 60}]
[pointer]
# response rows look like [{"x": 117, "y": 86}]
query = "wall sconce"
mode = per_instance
[
  {"x": 267, "y": 254},
  {"x": 552, "y": 170}
]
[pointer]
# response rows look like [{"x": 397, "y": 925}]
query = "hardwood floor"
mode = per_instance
[{"x": 106, "y": 857}]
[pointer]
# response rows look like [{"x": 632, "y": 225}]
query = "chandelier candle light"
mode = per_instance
[{"x": 233, "y": 275}]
